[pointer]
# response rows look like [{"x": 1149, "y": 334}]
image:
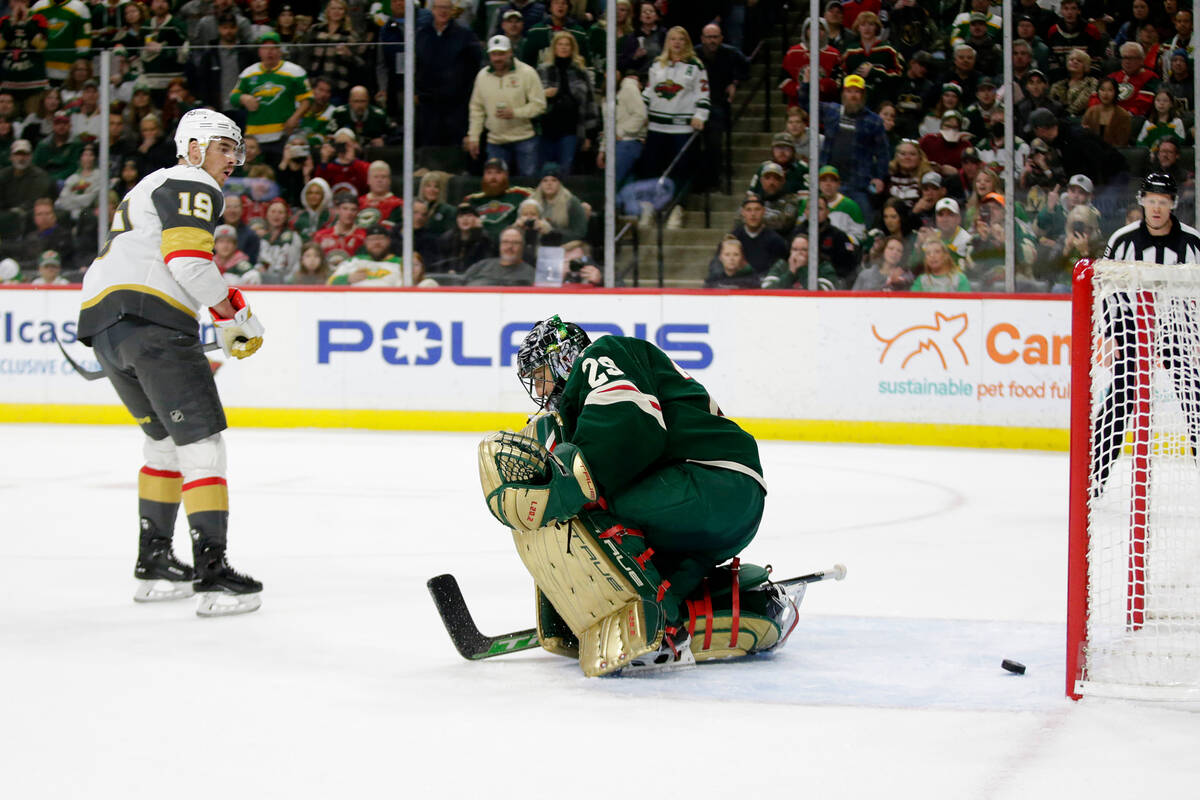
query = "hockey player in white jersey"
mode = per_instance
[{"x": 141, "y": 299}]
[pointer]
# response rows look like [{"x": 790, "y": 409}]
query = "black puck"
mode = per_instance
[{"x": 1013, "y": 666}]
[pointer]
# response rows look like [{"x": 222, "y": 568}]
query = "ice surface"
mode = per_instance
[{"x": 344, "y": 684}]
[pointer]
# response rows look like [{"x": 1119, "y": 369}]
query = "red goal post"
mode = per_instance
[{"x": 1133, "y": 588}]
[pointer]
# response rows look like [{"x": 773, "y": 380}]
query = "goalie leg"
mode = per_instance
[{"x": 694, "y": 517}]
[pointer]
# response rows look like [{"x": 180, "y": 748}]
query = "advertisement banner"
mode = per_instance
[{"x": 890, "y": 360}]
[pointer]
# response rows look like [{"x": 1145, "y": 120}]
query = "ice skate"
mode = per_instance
[
  {"x": 674, "y": 653},
  {"x": 160, "y": 575},
  {"x": 223, "y": 591},
  {"x": 783, "y": 606}
]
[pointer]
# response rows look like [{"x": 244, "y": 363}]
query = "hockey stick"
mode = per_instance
[
  {"x": 473, "y": 645},
  {"x": 470, "y": 643},
  {"x": 95, "y": 375}
]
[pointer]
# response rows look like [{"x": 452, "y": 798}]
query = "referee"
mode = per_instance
[{"x": 1159, "y": 238}]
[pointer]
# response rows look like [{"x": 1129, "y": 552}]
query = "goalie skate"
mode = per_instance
[{"x": 670, "y": 656}]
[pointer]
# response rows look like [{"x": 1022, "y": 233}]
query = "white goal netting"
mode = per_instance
[{"x": 1143, "y": 519}]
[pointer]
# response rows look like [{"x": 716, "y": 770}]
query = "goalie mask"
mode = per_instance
[
  {"x": 555, "y": 345},
  {"x": 204, "y": 125}
]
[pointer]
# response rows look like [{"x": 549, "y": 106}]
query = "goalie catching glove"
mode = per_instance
[
  {"x": 527, "y": 487},
  {"x": 240, "y": 335}
]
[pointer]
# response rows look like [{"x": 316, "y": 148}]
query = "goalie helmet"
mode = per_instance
[
  {"x": 1158, "y": 183},
  {"x": 204, "y": 125},
  {"x": 553, "y": 344}
]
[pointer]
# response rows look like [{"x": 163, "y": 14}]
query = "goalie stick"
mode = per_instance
[
  {"x": 97, "y": 374},
  {"x": 474, "y": 645}
]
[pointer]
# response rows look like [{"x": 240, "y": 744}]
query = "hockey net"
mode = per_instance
[{"x": 1133, "y": 609}]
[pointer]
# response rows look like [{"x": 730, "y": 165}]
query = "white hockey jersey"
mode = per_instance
[
  {"x": 675, "y": 94},
  {"x": 157, "y": 261}
]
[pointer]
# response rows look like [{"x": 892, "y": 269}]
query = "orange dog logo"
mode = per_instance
[{"x": 940, "y": 338}]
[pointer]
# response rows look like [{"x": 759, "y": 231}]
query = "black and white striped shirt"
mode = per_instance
[{"x": 1134, "y": 242}]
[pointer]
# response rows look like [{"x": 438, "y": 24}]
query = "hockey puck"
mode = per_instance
[{"x": 1013, "y": 666}]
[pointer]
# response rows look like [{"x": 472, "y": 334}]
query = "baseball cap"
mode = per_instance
[
  {"x": 971, "y": 154},
  {"x": 771, "y": 168},
  {"x": 1035, "y": 73},
  {"x": 829, "y": 169},
  {"x": 344, "y": 197},
  {"x": 977, "y": 16},
  {"x": 1042, "y": 118},
  {"x": 994, "y": 197},
  {"x": 61, "y": 115},
  {"x": 345, "y": 133},
  {"x": 378, "y": 230},
  {"x": 49, "y": 257},
  {"x": 952, "y": 87},
  {"x": 511, "y": 14},
  {"x": 1039, "y": 145},
  {"x": 269, "y": 36},
  {"x": 465, "y": 209},
  {"x": 20, "y": 146},
  {"x": 1082, "y": 181},
  {"x": 499, "y": 44},
  {"x": 225, "y": 231},
  {"x": 751, "y": 197},
  {"x": 946, "y": 204},
  {"x": 931, "y": 178},
  {"x": 9, "y": 269},
  {"x": 91, "y": 83},
  {"x": 985, "y": 81},
  {"x": 784, "y": 140},
  {"x": 854, "y": 82},
  {"x": 496, "y": 163}
]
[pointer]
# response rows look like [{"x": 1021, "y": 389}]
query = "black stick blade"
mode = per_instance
[{"x": 470, "y": 643}]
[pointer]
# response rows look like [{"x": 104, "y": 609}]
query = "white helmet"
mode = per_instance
[{"x": 204, "y": 125}]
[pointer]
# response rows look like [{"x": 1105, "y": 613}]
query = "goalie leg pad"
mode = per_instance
[
  {"x": 554, "y": 634},
  {"x": 738, "y": 612},
  {"x": 601, "y": 583}
]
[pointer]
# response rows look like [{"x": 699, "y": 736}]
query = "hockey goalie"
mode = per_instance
[{"x": 627, "y": 494}]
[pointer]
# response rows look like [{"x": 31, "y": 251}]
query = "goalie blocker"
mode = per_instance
[{"x": 599, "y": 593}]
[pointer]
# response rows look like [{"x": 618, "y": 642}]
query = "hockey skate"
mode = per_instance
[
  {"x": 783, "y": 606},
  {"x": 674, "y": 653},
  {"x": 160, "y": 575},
  {"x": 223, "y": 591}
]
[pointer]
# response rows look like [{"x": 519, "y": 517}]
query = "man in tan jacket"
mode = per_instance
[{"x": 507, "y": 97}]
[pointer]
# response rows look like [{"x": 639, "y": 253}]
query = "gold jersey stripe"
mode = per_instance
[
  {"x": 137, "y": 287},
  {"x": 159, "y": 489},
  {"x": 186, "y": 238},
  {"x": 209, "y": 497}
]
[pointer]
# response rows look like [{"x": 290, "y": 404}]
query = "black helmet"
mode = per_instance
[
  {"x": 1158, "y": 183},
  {"x": 553, "y": 344}
]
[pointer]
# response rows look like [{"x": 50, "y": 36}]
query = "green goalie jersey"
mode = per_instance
[{"x": 632, "y": 410}]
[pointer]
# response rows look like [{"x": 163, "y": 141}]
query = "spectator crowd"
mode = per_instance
[
  {"x": 510, "y": 146},
  {"x": 913, "y": 152}
]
